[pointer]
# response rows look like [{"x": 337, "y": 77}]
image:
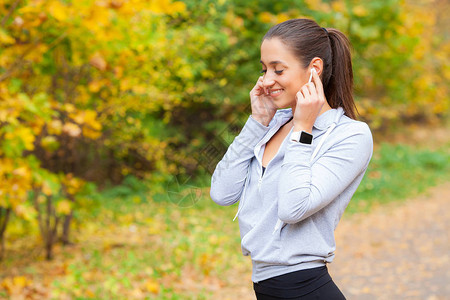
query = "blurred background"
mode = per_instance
[{"x": 113, "y": 114}]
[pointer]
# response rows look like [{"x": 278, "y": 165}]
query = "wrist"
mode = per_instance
[
  {"x": 302, "y": 137},
  {"x": 261, "y": 120},
  {"x": 298, "y": 127}
]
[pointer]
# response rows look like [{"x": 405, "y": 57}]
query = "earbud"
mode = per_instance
[{"x": 310, "y": 76}]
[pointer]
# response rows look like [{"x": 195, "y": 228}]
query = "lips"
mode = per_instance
[{"x": 275, "y": 93}]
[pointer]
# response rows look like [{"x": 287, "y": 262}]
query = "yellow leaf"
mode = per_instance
[
  {"x": 72, "y": 129},
  {"x": 22, "y": 172},
  {"x": 360, "y": 11},
  {"x": 5, "y": 39},
  {"x": 91, "y": 134},
  {"x": 282, "y": 17},
  {"x": 41, "y": 199},
  {"x": 29, "y": 9},
  {"x": 265, "y": 17},
  {"x": 57, "y": 10},
  {"x": 98, "y": 62},
  {"x": 50, "y": 143},
  {"x": 118, "y": 71},
  {"x": 25, "y": 212},
  {"x": 125, "y": 84},
  {"x": 25, "y": 135},
  {"x": 338, "y": 6},
  {"x": 90, "y": 118},
  {"x": 64, "y": 207},
  {"x": 152, "y": 286},
  {"x": 91, "y": 127},
  {"x": 46, "y": 189},
  {"x": 94, "y": 86},
  {"x": 178, "y": 6},
  {"x": 7, "y": 284},
  {"x": 20, "y": 281},
  {"x": 116, "y": 4},
  {"x": 54, "y": 127},
  {"x": 69, "y": 107},
  {"x": 73, "y": 185}
]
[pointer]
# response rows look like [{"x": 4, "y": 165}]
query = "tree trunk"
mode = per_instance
[
  {"x": 66, "y": 229},
  {"x": 4, "y": 218},
  {"x": 51, "y": 228}
]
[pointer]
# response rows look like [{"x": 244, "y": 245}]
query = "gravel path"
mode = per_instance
[{"x": 398, "y": 251}]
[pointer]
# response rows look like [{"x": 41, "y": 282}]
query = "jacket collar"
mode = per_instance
[
  {"x": 329, "y": 117},
  {"x": 322, "y": 122}
]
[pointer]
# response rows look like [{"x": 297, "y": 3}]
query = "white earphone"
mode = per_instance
[{"x": 310, "y": 76}]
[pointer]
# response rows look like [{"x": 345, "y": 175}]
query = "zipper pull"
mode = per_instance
[{"x": 278, "y": 225}]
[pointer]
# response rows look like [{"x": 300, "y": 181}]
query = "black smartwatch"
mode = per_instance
[{"x": 302, "y": 137}]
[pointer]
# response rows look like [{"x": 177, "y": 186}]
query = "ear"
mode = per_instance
[{"x": 317, "y": 63}]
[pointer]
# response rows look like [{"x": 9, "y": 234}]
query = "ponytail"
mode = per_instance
[
  {"x": 339, "y": 90},
  {"x": 308, "y": 40}
]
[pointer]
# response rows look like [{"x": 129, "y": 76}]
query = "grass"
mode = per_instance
[
  {"x": 399, "y": 172},
  {"x": 129, "y": 247}
]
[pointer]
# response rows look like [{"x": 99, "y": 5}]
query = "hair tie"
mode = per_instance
[{"x": 326, "y": 31}]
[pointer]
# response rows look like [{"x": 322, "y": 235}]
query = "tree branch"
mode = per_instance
[{"x": 10, "y": 12}]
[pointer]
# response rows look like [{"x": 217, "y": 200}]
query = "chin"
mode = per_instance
[{"x": 283, "y": 105}]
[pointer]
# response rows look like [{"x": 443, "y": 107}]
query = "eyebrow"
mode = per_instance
[{"x": 275, "y": 62}]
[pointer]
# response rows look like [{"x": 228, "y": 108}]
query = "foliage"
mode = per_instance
[
  {"x": 400, "y": 62},
  {"x": 67, "y": 70},
  {"x": 99, "y": 90}
]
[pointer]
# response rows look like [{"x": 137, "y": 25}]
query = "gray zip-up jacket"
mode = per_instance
[{"x": 287, "y": 216}]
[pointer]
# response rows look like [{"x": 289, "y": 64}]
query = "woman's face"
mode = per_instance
[{"x": 283, "y": 73}]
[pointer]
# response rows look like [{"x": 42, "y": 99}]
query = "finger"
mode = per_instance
[
  {"x": 299, "y": 97},
  {"x": 260, "y": 83},
  {"x": 306, "y": 93},
  {"x": 260, "y": 79},
  {"x": 318, "y": 84},
  {"x": 260, "y": 89},
  {"x": 312, "y": 90},
  {"x": 264, "y": 88}
]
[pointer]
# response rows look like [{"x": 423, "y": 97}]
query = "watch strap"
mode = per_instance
[{"x": 302, "y": 137}]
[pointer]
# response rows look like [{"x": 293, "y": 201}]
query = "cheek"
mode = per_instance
[
  {"x": 295, "y": 82},
  {"x": 295, "y": 86}
]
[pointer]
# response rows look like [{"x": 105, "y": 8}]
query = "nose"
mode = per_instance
[{"x": 268, "y": 80}]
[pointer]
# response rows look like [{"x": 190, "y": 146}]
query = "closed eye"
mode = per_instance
[
  {"x": 279, "y": 72},
  {"x": 263, "y": 71}
]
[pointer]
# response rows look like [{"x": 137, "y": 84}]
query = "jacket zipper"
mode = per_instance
[
  {"x": 260, "y": 181},
  {"x": 262, "y": 173}
]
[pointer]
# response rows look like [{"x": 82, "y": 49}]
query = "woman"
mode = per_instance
[{"x": 296, "y": 162}]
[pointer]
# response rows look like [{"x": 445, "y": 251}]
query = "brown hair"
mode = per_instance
[{"x": 308, "y": 40}]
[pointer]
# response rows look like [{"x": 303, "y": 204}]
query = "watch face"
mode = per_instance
[{"x": 306, "y": 138}]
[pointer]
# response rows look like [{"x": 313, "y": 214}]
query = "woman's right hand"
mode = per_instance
[{"x": 263, "y": 107}]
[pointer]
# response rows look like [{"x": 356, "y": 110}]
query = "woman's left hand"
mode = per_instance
[{"x": 310, "y": 100}]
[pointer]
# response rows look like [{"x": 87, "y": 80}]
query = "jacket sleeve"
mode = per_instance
[
  {"x": 228, "y": 179},
  {"x": 304, "y": 189}
]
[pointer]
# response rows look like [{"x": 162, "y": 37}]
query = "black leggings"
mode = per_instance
[{"x": 328, "y": 291}]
